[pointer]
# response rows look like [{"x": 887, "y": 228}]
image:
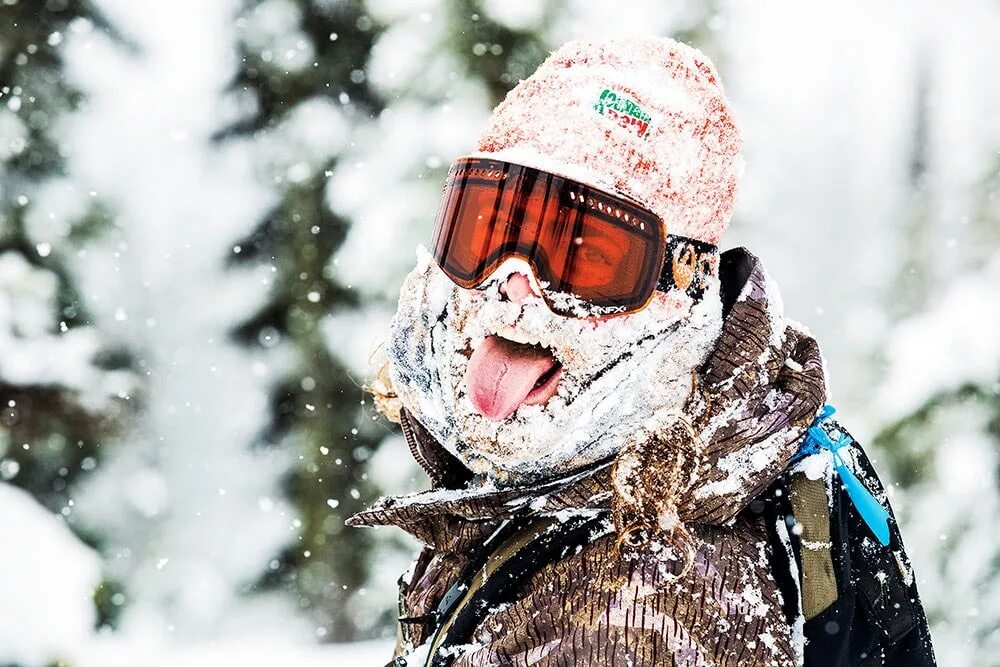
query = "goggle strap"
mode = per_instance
[{"x": 687, "y": 265}]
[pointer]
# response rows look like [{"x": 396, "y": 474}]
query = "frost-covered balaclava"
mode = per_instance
[{"x": 517, "y": 392}]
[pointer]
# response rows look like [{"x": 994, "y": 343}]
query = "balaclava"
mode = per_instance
[{"x": 643, "y": 117}]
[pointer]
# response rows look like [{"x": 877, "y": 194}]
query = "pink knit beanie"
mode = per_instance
[{"x": 646, "y": 117}]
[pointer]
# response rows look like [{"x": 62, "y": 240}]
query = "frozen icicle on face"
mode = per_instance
[{"x": 617, "y": 374}]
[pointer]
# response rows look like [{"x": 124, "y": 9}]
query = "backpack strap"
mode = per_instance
[
  {"x": 516, "y": 551},
  {"x": 810, "y": 506}
]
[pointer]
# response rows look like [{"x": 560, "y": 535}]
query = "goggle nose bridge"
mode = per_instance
[{"x": 523, "y": 263}]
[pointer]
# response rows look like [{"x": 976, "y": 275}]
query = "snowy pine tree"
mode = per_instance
[
  {"x": 302, "y": 73},
  {"x": 62, "y": 390},
  {"x": 187, "y": 512},
  {"x": 65, "y": 386}
]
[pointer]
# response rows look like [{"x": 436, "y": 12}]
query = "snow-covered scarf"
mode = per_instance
[{"x": 682, "y": 570}]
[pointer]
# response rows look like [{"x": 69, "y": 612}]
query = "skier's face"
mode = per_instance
[{"x": 518, "y": 392}]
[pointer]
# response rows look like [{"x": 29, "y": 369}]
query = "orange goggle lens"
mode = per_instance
[{"x": 594, "y": 253}]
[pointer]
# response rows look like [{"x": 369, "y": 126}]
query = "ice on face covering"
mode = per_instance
[{"x": 617, "y": 373}]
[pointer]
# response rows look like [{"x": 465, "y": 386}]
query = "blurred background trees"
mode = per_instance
[
  {"x": 939, "y": 432},
  {"x": 302, "y": 68},
  {"x": 66, "y": 385},
  {"x": 262, "y": 171},
  {"x": 63, "y": 385}
]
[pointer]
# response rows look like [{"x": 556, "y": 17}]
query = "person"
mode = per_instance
[{"x": 630, "y": 454}]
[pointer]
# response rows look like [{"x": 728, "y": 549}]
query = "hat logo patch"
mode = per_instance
[{"x": 626, "y": 112}]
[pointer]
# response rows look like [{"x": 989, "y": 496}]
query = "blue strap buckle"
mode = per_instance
[{"x": 875, "y": 516}]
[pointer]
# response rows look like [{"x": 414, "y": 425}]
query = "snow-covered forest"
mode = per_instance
[{"x": 206, "y": 211}]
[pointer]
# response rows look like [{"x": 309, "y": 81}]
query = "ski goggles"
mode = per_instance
[{"x": 594, "y": 254}]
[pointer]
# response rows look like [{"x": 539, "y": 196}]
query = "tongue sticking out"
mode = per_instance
[{"x": 503, "y": 375}]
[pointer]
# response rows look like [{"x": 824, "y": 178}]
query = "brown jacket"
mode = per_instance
[{"x": 677, "y": 573}]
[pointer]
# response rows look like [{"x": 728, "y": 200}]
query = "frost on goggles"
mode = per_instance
[{"x": 594, "y": 253}]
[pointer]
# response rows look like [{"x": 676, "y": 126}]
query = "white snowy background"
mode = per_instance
[{"x": 832, "y": 101}]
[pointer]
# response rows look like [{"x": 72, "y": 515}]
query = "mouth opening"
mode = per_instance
[
  {"x": 503, "y": 375},
  {"x": 546, "y": 381}
]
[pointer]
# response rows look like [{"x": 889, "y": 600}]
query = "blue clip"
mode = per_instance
[{"x": 874, "y": 515}]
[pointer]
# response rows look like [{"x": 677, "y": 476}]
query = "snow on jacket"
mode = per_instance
[{"x": 675, "y": 568}]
